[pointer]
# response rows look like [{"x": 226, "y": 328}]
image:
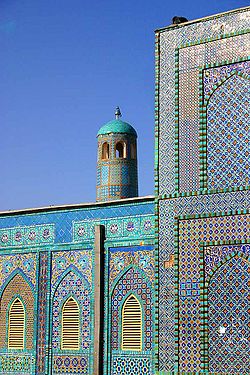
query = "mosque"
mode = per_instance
[{"x": 146, "y": 285}]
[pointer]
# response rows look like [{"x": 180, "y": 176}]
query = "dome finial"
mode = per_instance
[{"x": 118, "y": 113}]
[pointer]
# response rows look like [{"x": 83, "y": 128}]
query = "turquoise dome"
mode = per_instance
[{"x": 117, "y": 126}]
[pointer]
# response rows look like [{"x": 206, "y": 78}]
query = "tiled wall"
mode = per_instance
[
  {"x": 202, "y": 178},
  {"x": 47, "y": 257}
]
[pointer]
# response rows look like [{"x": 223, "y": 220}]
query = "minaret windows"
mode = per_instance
[
  {"x": 120, "y": 150},
  {"x": 105, "y": 150}
]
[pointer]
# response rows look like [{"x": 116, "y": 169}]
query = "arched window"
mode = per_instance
[
  {"x": 70, "y": 325},
  {"x": 120, "y": 150},
  {"x": 133, "y": 151},
  {"x": 16, "y": 325},
  {"x": 105, "y": 150},
  {"x": 132, "y": 324}
]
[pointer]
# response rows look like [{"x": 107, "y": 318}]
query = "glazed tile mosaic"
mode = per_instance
[
  {"x": 116, "y": 175},
  {"x": 194, "y": 233},
  {"x": 131, "y": 271},
  {"x": 27, "y": 236},
  {"x": 21, "y": 364},
  {"x": 184, "y": 52},
  {"x": 125, "y": 227},
  {"x": 70, "y": 364},
  {"x": 228, "y": 335},
  {"x": 61, "y": 265},
  {"x": 64, "y": 261},
  {"x": 202, "y": 77},
  {"x": 125, "y": 365},
  {"x": 63, "y": 220},
  {"x": 154, "y": 285},
  {"x": 228, "y": 134},
  {"x": 120, "y": 259},
  {"x": 169, "y": 211},
  {"x": 12, "y": 264}
]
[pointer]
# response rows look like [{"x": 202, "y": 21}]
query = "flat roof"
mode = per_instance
[
  {"x": 78, "y": 206},
  {"x": 173, "y": 26}
]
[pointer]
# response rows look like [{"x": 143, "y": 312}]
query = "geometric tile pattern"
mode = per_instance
[
  {"x": 66, "y": 365},
  {"x": 214, "y": 77},
  {"x": 192, "y": 234},
  {"x": 123, "y": 365},
  {"x": 181, "y": 57},
  {"x": 228, "y": 318},
  {"x": 169, "y": 212},
  {"x": 121, "y": 258},
  {"x": 189, "y": 288},
  {"x": 65, "y": 271},
  {"x": 19, "y": 364},
  {"x": 214, "y": 255},
  {"x": 131, "y": 271},
  {"x": 228, "y": 145}
]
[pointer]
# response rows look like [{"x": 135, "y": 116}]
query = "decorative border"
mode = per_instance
[
  {"x": 126, "y": 227},
  {"x": 27, "y": 235}
]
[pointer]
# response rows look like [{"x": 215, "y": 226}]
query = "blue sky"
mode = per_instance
[{"x": 65, "y": 65}]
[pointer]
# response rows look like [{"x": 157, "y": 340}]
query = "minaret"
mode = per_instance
[{"x": 117, "y": 161}]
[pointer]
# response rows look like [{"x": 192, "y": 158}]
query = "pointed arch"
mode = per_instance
[
  {"x": 17, "y": 271},
  {"x": 16, "y": 325},
  {"x": 131, "y": 324},
  {"x": 133, "y": 281},
  {"x": 127, "y": 269},
  {"x": 226, "y": 78},
  {"x": 70, "y": 325},
  {"x": 65, "y": 273},
  {"x": 71, "y": 296},
  {"x": 19, "y": 288}
]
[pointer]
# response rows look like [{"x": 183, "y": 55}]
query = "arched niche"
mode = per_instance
[
  {"x": 134, "y": 282},
  {"x": 17, "y": 287},
  {"x": 71, "y": 285}
]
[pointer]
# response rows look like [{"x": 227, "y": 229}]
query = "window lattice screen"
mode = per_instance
[
  {"x": 70, "y": 325},
  {"x": 16, "y": 325},
  {"x": 131, "y": 324}
]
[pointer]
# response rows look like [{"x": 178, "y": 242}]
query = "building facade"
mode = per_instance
[{"x": 146, "y": 285}]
